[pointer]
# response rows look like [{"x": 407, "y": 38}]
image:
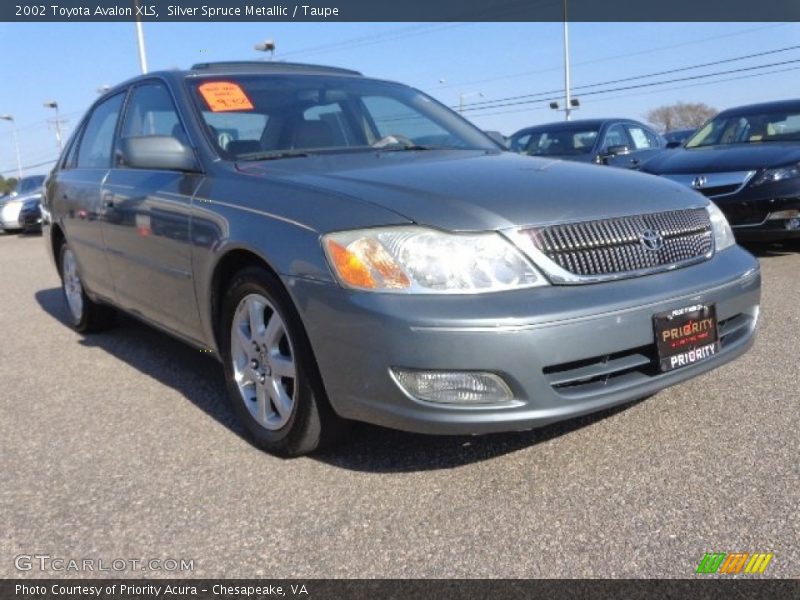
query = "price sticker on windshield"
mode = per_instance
[{"x": 222, "y": 96}]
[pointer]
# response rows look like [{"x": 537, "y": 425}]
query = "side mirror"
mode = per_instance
[
  {"x": 159, "y": 152},
  {"x": 671, "y": 145},
  {"x": 498, "y": 137},
  {"x": 616, "y": 151}
]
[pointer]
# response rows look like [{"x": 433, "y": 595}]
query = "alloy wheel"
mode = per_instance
[{"x": 263, "y": 361}]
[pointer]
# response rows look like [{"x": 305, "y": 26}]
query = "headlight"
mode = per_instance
[
  {"x": 723, "y": 235},
  {"x": 779, "y": 174},
  {"x": 426, "y": 261}
]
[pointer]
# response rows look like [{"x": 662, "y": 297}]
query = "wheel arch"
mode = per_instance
[
  {"x": 225, "y": 269},
  {"x": 57, "y": 239}
]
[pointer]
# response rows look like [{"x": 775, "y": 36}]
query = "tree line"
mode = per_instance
[{"x": 7, "y": 185}]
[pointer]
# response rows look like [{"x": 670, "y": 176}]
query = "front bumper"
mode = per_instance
[
  {"x": 563, "y": 350},
  {"x": 749, "y": 212},
  {"x": 30, "y": 219}
]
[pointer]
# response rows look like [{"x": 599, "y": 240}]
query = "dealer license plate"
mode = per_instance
[{"x": 686, "y": 336}]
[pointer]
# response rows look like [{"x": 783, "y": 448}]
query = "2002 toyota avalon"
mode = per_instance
[{"x": 351, "y": 249}]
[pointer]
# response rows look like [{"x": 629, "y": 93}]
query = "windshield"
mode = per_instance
[
  {"x": 749, "y": 128},
  {"x": 29, "y": 184},
  {"x": 263, "y": 116},
  {"x": 557, "y": 142}
]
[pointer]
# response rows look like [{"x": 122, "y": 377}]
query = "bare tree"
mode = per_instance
[{"x": 681, "y": 115}]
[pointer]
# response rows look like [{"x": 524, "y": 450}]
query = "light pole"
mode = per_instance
[
  {"x": 54, "y": 105},
  {"x": 567, "y": 99},
  {"x": 463, "y": 95},
  {"x": 16, "y": 142},
  {"x": 140, "y": 41}
]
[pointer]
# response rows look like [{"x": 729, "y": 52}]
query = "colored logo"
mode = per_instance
[{"x": 731, "y": 564}]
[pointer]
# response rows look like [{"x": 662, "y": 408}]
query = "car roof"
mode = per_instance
[
  {"x": 253, "y": 67},
  {"x": 779, "y": 105},
  {"x": 576, "y": 124}
]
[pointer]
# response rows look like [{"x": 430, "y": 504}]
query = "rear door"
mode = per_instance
[
  {"x": 76, "y": 197},
  {"x": 148, "y": 215},
  {"x": 645, "y": 143}
]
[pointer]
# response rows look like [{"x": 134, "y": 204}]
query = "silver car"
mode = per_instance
[
  {"x": 351, "y": 249},
  {"x": 26, "y": 196}
]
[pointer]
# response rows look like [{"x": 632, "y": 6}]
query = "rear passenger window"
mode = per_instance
[
  {"x": 98, "y": 136},
  {"x": 520, "y": 144},
  {"x": 642, "y": 139},
  {"x": 151, "y": 112},
  {"x": 616, "y": 136},
  {"x": 70, "y": 158}
]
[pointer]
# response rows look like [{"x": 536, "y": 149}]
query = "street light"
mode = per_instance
[
  {"x": 54, "y": 105},
  {"x": 574, "y": 104},
  {"x": 16, "y": 142},
  {"x": 266, "y": 46},
  {"x": 568, "y": 100}
]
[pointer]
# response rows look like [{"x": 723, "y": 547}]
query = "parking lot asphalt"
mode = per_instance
[{"x": 121, "y": 445}]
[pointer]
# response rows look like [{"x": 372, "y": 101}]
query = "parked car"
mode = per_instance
[
  {"x": 499, "y": 138},
  {"x": 27, "y": 196},
  {"x": 30, "y": 217},
  {"x": 289, "y": 220},
  {"x": 677, "y": 137},
  {"x": 747, "y": 160},
  {"x": 615, "y": 142}
]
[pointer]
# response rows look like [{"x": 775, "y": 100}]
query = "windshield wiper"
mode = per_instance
[
  {"x": 274, "y": 155},
  {"x": 415, "y": 147},
  {"x": 405, "y": 147}
]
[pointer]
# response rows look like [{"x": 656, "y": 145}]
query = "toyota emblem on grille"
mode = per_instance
[
  {"x": 651, "y": 240},
  {"x": 699, "y": 182}
]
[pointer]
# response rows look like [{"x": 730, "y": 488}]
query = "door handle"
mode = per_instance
[{"x": 108, "y": 200}]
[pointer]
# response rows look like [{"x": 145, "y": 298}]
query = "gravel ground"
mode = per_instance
[{"x": 121, "y": 445}]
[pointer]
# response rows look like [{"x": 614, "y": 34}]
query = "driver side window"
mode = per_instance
[
  {"x": 616, "y": 136},
  {"x": 151, "y": 112}
]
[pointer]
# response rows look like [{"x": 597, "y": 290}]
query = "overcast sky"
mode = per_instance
[{"x": 67, "y": 62}]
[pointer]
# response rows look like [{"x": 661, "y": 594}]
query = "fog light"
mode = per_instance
[
  {"x": 453, "y": 387},
  {"x": 783, "y": 214}
]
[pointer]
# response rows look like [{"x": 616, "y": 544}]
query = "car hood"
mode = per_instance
[
  {"x": 715, "y": 159},
  {"x": 22, "y": 198},
  {"x": 476, "y": 190}
]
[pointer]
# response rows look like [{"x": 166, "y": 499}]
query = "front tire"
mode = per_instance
[
  {"x": 270, "y": 371},
  {"x": 85, "y": 315}
]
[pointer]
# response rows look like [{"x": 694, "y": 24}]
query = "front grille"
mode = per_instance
[{"x": 615, "y": 247}]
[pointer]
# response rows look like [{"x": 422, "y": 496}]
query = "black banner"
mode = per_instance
[
  {"x": 405, "y": 589},
  {"x": 408, "y": 10}
]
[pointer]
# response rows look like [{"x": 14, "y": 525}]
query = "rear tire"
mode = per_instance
[
  {"x": 86, "y": 315},
  {"x": 270, "y": 371}
]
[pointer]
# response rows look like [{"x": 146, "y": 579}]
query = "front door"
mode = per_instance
[{"x": 147, "y": 221}]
